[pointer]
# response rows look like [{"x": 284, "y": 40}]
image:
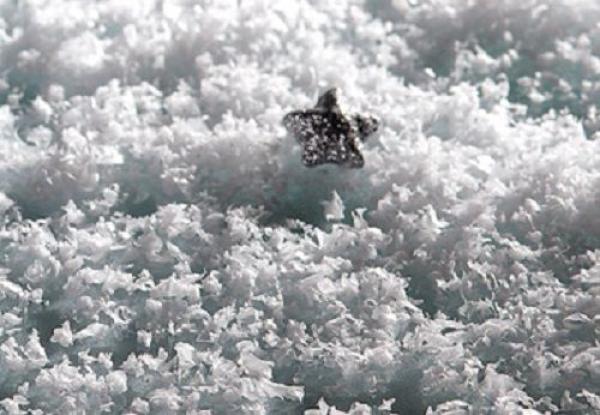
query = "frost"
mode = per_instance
[
  {"x": 63, "y": 335},
  {"x": 117, "y": 382},
  {"x": 94, "y": 330},
  {"x": 334, "y": 209}
]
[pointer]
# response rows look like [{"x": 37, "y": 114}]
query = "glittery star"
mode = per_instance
[{"x": 329, "y": 136}]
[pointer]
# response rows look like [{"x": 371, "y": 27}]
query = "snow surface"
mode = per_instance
[{"x": 163, "y": 250}]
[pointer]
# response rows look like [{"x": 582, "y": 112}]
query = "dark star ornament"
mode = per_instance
[{"x": 329, "y": 136}]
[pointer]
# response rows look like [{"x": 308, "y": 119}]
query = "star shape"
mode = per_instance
[{"x": 329, "y": 136}]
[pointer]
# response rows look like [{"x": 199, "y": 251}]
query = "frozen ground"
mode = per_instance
[{"x": 163, "y": 250}]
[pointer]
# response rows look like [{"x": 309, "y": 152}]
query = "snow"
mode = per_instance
[{"x": 164, "y": 250}]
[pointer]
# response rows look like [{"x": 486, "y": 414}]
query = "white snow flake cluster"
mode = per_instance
[{"x": 164, "y": 251}]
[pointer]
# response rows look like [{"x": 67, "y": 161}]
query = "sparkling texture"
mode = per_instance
[
  {"x": 163, "y": 251},
  {"x": 329, "y": 136}
]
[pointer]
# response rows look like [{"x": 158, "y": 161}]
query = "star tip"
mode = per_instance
[{"x": 334, "y": 91}]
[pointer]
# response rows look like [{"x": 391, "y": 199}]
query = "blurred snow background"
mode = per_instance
[{"x": 163, "y": 250}]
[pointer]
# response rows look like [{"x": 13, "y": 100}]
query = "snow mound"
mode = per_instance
[{"x": 163, "y": 250}]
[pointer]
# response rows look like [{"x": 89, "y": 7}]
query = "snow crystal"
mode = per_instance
[
  {"x": 63, "y": 335},
  {"x": 334, "y": 209}
]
